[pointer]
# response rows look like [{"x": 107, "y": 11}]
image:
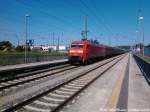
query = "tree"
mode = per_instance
[
  {"x": 148, "y": 45},
  {"x": 19, "y": 48},
  {"x": 139, "y": 45},
  {"x": 5, "y": 45}
]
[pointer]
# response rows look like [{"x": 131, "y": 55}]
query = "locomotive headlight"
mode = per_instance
[
  {"x": 79, "y": 51},
  {"x": 76, "y": 51},
  {"x": 71, "y": 51}
]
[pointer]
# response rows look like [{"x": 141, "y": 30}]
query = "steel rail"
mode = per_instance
[
  {"x": 34, "y": 78},
  {"x": 19, "y": 105},
  {"x": 17, "y": 76}
]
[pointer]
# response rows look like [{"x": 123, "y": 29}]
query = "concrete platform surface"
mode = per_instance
[{"x": 139, "y": 90}]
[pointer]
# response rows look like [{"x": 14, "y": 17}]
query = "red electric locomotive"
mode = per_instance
[{"x": 87, "y": 50}]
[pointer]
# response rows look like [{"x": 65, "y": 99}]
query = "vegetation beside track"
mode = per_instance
[
  {"x": 147, "y": 59},
  {"x": 15, "y": 53},
  {"x": 14, "y": 57}
]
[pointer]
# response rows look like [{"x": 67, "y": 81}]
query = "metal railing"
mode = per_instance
[{"x": 144, "y": 66}]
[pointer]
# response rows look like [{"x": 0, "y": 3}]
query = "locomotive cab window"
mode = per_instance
[{"x": 76, "y": 46}]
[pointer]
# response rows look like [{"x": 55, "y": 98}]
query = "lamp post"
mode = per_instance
[
  {"x": 141, "y": 20},
  {"x": 26, "y": 35},
  {"x": 137, "y": 41}
]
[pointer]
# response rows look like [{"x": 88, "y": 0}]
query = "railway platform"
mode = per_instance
[{"x": 121, "y": 89}]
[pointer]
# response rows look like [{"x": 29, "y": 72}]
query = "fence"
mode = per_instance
[
  {"x": 11, "y": 60},
  {"x": 145, "y": 66}
]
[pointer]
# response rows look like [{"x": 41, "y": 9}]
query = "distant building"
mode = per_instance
[
  {"x": 53, "y": 47},
  {"x": 62, "y": 47},
  {"x": 147, "y": 50},
  {"x": 36, "y": 48},
  {"x": 48, "y": 48},
  {"x": 45, "y": 48}
]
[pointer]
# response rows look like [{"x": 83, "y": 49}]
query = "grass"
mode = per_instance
[{"x": 147, "y": 59}]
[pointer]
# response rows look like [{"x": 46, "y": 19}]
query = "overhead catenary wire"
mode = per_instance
[
  {"x": 61, "y": 19},
  {"x": 46, "y": 13},
  {"x": 101, "y": 15},
  {"x": 83, "y": 13},
  {"x": 41, "y": 9},
  {"x": 96, "y": 16},
  {"x": 70, "y": 21}
]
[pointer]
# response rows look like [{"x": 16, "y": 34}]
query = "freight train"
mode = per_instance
[{"x": 87, "y": 50}]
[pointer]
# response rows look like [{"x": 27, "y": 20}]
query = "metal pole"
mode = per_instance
[
  {"x": 17, "y": 39},
  {"x": 53, "y": 38},
  {"x": 26, "y": 35},
  {"x": 143, "y": 35},
  {"x": 141, "y": 19},
  {"x": 58, "y": 44},
  {"x": 25, "y": 39},
  {"x": 136, "y": 40},
  {"x": 139, "y": 31},
  {"x": 84, "y": 32},
  {"x": 85, "y": 27},
  {"x": 62, "y": 38}
]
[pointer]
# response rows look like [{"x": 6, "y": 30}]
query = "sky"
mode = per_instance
[{"x": 111, "y": 22}]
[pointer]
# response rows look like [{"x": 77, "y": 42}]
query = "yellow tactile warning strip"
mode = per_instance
[{"x": 113, "y": 99}]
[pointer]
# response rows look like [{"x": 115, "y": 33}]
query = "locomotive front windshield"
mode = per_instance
[{"x": 77, "y": 46}]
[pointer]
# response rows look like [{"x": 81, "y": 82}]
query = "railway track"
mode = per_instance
[
  {"x": 14, "y": 71},
  {"x": 30, "y": 72},
  {"x": 53, "y": 99},
  {"x": 28, "y": 79}
]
